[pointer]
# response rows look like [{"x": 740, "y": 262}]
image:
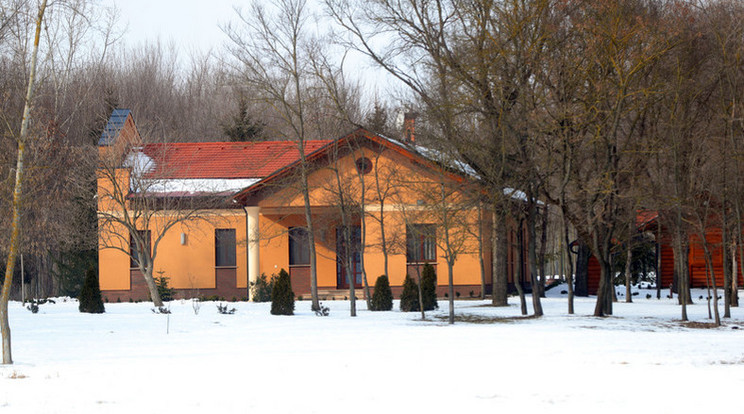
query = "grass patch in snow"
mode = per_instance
[
  {"x": 482, "y": 319},
  {"x": 16, "y": 375}
]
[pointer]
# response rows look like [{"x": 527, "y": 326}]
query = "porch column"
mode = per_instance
[{"x": 251, "y": 234}]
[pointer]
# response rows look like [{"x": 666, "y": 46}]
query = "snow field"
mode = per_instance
[{"x": 124, "y": 361}]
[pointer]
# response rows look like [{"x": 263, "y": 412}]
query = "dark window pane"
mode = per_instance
[
  {"x": 299, "y": 246},
  {"x": 421, "y": 243},
  {"x": 351, "y": 251},
  {"x": 224, "y": 247},
  {"x": 143, "y": 235}
]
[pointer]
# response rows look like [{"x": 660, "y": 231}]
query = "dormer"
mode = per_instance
[{"x": 119, "y": 135}]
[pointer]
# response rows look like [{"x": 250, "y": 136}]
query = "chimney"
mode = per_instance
[{"x": 409, "y": 126}]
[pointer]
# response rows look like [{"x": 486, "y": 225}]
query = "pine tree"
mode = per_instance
[
  {"x": 382, "y": 298},
  {"x": 282, "y": 297},
  {"x": 409, "y": 300},
  {"x": 243, "y": 127},
  {"x": 429, "y": 287},
  {"x": 90, "y": 294}
]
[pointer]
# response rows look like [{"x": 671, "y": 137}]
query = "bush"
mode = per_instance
[
  {"x": 90, "y": 294},
  {"x": 261, "y": 288},
  {"x": 429, "y": 288},
  {"x": 165, "y": 292},
  {"x": 323, "y": 310},
  {"x": 282, "y": 297},
  {"x": 224, "y": 310},
  {"x": 409, "y": 298},
  {"x": 382, "y": 297},
  {"x": 34, "y": 307}
]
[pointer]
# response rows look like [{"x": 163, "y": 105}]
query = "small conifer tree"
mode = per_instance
[
  {"x": 409, "y": 300},
  {"x": 282, "y": 297},
  {"x": 429, "y": 287},
  {"x": 90, "y": 294},
  {"x": 261, "y": 288},
  {"x": 382, "y": 297},
  {"x": 164, "y": 290}
]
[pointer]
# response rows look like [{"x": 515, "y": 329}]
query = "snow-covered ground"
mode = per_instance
[{"x": 130, "y": 360}]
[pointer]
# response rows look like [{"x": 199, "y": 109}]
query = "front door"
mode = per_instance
[{"x": 351, "y": 252}]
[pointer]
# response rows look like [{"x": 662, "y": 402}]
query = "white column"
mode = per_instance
[{"x": 251, "y": 223}]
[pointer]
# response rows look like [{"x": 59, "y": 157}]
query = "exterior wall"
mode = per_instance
[
  {"x": 190, "y": 267},
  {"x": 407, "y": 185},
  {"x": 696, "y": 257}
]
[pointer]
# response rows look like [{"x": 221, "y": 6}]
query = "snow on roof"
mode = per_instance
[{"x": 191, "y": 187}]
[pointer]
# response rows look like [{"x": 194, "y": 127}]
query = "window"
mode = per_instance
[
  {"x": 143, "y": 235},
  {"x": 224, "y": 248},
  {"x": 299, "y": 247},
  {"x": 421, "y": 246},
  {"x": 363, "y": 165}
]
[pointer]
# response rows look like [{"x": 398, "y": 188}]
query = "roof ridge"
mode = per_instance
[{"x": 233, "y": 143}]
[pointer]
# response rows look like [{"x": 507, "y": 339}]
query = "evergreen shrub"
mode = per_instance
[
  {"x": 166, "y": 292},
  {"x": 282, "y": 297},
  {"x": 429, "y": 287},
  {"x": 261, "y": 288},
  {"x": 90, "y": 294},
  {"x": 382, "y": 297},
  {"x": 409, "y": 298}
]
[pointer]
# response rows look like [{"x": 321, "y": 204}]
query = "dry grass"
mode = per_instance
[
  {"x": 16, "y": 375},
  {"x": 480, "y": 319}
]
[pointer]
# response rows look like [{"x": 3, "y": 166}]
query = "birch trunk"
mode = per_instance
[{"x": 17, "y": 193}]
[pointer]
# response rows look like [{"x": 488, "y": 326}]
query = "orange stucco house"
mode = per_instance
[{"x": 396, "y": 200}]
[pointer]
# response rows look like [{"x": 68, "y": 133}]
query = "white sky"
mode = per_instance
[
  {"x": 191, "y": 24},
  {"x": 194, "y": 26}
]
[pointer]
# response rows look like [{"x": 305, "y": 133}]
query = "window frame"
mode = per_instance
[
  {"x": 421, "y": 238},
  {"x": 225, "y": 241},
  {"x": 299, "y": 242},
  {"x": 133, "y": 253}
]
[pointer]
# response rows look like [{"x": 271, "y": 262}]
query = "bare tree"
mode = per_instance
[
  {"x": 273, "y": 50},
  {"x": 17, "y": 193}
]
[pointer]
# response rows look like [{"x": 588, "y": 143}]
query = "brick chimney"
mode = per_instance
[{"x": 409, "y": 126}]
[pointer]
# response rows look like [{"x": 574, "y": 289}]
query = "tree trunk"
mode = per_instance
[
  {"x": 450, "y": 279},
  {"x": 420, "y": 293},
  {"x": 17, "y": 195},
  {"x": 569, "y": 262},
  {"x": 310, "y": 233},
  {"x": 709, "y": 265},
  {"x": 628, "y": 259},
  {"x": 499, "y": 289},
  {"x": 480, "y": 252},
  {"x": 532, "y": 256},
  {"x": 519, "y": 277},
  {"x": 725, "y": 243},
  {"x": 543, "y": 247},
  {"x": 603, "y": 306},
  {"x": 658, "y": 258}
]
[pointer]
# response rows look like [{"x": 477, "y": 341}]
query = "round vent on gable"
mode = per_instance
[{"x": 363, "y": 165}]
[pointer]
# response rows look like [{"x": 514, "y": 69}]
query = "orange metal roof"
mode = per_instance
[{"x": 223, "y": 159}]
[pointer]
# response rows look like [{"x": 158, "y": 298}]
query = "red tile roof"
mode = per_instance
[
  {"x": 224, "y": 159},
  {"x": 645, "y": 217}
]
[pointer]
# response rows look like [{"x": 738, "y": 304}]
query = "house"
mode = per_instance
[
  {"x": 246, "y": 215},
  {"x": 648, "y": 222}
]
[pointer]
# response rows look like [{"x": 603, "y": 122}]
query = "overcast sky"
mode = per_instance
[
  {"x": 194, "y": 26},
  {"x": 191, "y": 24}
]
